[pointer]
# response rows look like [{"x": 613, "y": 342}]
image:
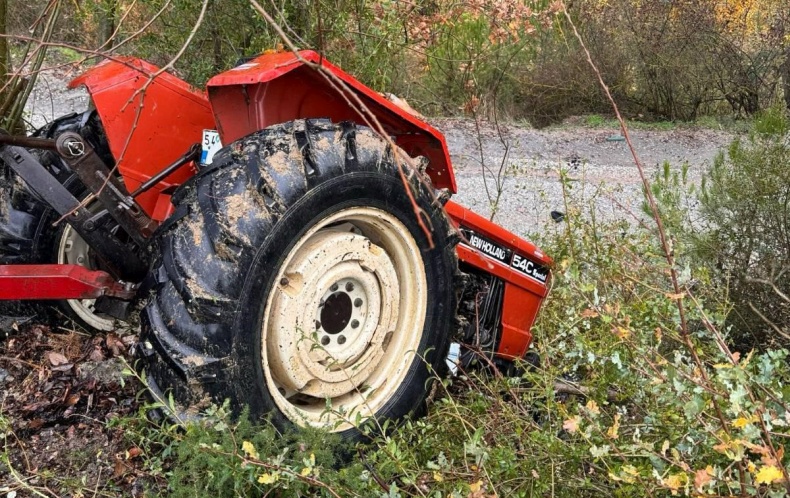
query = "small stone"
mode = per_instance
[
  {"x": 105, "y": 372},
  {"x": 5, "y": 376}
]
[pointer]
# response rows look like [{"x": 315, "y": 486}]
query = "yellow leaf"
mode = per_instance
[
  {"x": 305, "y": 471},
  {"x": 677, "y": 296},
  {"x": 621, "y": 332},
  {"x": 572, "y": 424},
  {"x": 612, "y": 432},
  {"x": 476, "y": 486},
  {"x": 249, "y": 450},
  {"x": 629, "y": 473},
  {"x": 740, "y": 422},
  {"x": 674, "y": 482},
  {"x": 267, "y": 478},
  {"x": 437, "y": 477},
  {"x": 665, "y": 447},
  {"x": 751, "y": 467},
  {"x": 592, "y": 407},
  {"x": 767, "y": 475}
]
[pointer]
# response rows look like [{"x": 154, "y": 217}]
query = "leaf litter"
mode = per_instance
[{"x": 58, "y": 392}]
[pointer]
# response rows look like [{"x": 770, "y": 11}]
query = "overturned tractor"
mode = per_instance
[{"x": 312, "y": 269}]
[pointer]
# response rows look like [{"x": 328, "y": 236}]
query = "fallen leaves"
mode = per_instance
[
  {"x": 572, "y": 424},
  {"x": 53, "y": 385},
  {"x": 56, "y": 359},
  {"x": 768, "y": 474}
]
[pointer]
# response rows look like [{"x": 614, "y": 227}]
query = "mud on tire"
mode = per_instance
[{"x": 295, "y": 280}]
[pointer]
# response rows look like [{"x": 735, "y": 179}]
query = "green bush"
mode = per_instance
[{"x": 745, "y": 205}]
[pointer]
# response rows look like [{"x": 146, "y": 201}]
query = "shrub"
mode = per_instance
[{"x": 745, "y": 204}]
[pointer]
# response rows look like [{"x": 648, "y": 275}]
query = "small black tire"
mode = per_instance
[
  {"x": 279, "y": 227},
  {"x": 26, "y": 232}
]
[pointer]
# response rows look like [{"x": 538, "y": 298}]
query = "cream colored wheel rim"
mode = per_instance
[
  {"x": 344, "y": 319},
  {"x": 73, "y": 250}
]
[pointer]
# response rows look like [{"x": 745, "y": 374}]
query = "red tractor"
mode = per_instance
[{"x": 311, "y": 269}]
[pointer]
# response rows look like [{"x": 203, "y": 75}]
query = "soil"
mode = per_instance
[
  {"x": 60, "y": 389},
  {"x": 62, "y": 393},
  {"x": 597, "y": 162}
]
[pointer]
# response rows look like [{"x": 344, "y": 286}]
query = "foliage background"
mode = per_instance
[{"x": 669, "y": 60}]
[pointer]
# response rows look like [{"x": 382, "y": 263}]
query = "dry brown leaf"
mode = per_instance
[
  {"x": 701, "y": 478},
  {"x": 96, "y": 355},
  {"x": 115, "y": 344},
  {"x": 589, "y": 313},
  {"x": 572, "y": 424},
  {"x": 56, "y": 359}
]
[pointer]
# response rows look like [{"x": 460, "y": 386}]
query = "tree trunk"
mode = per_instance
[
  {"x": 107, "y": 23},
  {"x": 784, "y": 38},
  {"x": 4, "y": 55}
]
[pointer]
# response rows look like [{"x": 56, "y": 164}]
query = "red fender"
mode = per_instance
[{"x": 280, "y": 87}]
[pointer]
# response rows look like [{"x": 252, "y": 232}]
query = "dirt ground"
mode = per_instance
[
  {"x": 62, "y": 393},
  {"x": 60, "y": 389}
]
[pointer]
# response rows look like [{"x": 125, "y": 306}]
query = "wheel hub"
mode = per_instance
[
  {"x": 317, "y": 360},
  {"x": 345, "y": 316},
  {"x": 342, "y": 313}
]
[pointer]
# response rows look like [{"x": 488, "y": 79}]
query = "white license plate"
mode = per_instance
[{"x": 210, "y": 145}]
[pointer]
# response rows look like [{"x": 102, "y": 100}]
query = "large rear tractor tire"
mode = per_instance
[
  {"x": 27, "y": 235},
  {"x": 299, "y": 282}
]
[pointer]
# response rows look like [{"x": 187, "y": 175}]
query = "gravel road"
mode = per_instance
[{"x": 530, "y": 185}]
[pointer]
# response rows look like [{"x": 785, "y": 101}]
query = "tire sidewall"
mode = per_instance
[{"x": 385, "y": 191}]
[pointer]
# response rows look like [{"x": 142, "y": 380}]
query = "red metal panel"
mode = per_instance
[
  {"x": 24, "y": 282},
  {"x": 523, "y": 295},
  {"x": 159, "y": 120},
  {"x": 463, "y": 215},
  {"x": 519, "y": 310},
  {"x": 276, "y": 88}
]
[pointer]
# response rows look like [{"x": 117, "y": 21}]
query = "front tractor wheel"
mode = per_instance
[{"x": 299, "y": 282}]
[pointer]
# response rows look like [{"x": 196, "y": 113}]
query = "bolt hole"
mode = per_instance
[
  {"x": 349, "y": 287},
  {"x": 325, "y": 340},
  {"x": 357, "y": 302},
  {"x": 354, "y": 324},
  {"x": 341, "y": 339}
]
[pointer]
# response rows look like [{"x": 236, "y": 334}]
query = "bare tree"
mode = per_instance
[
  {"x": 106, "y": 22},
  {"x": 4, "y": 56}
]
